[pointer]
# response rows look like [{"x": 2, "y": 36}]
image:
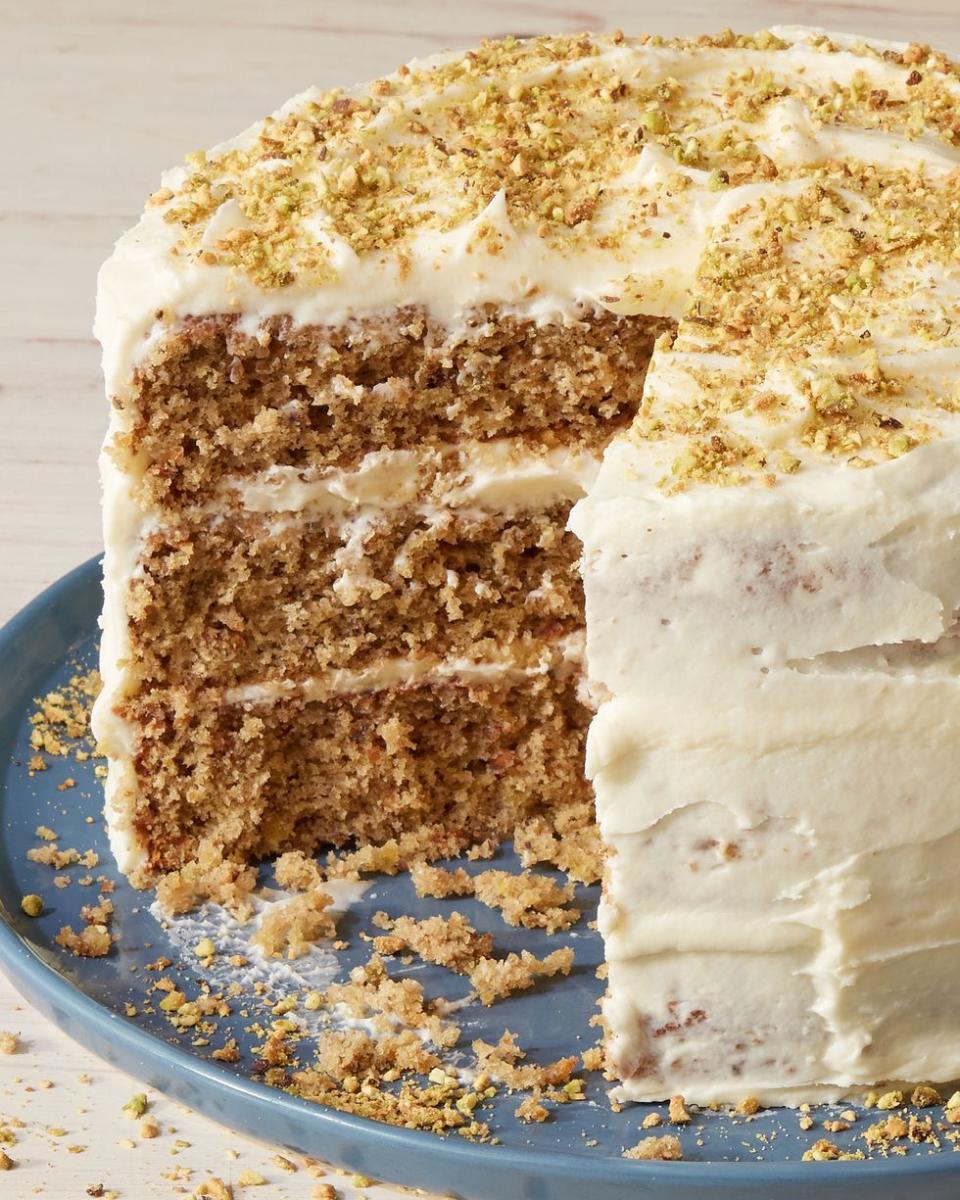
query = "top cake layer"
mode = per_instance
[{"x": 547, "y": 176}]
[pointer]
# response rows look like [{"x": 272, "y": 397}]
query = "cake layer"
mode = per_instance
[
  {"x": 467, "y": 760},
  {"x": 211, "y": 400},
  {"x": 225, "y": 600}
]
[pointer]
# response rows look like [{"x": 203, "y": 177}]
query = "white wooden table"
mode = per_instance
[{"x": 97, "y": 97}]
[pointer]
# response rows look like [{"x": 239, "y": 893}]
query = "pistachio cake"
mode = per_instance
[{"x": 571, "y": 417}]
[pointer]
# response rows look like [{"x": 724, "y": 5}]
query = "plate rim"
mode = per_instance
[{"x": 58, "y": 998}]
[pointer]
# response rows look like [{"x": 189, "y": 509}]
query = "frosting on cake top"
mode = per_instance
[{"x": 789, "y": 197}]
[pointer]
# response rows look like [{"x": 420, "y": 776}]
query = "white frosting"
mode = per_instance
[
  {"x": 495, "y": 476},
  {"x": 450, "y": 272},
  {"x": 564, "y": 656},
  {"x": 777, "y": 669},
  {"x": 775, "y": 768}
]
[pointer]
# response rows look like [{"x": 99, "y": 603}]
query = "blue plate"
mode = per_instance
[{"x": 576, "y": 1154}]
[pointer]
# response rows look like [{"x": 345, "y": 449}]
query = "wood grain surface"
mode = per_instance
[{"x": 98, "y": 97}]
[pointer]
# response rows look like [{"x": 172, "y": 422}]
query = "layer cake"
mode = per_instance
[{"x": 644, "y": 341}]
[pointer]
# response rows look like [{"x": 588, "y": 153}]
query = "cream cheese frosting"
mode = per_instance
[{"x": 769, "y": 551}]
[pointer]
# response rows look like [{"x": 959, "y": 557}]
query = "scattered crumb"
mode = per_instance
[
  {"x": 677, "y": 1111},
  {"x": 100, "y": 913},
  {"x": 827, "y": 1151},
  {"x": 296, "y": 872},
  {"x": 208, "y": 877},
  {"x": 51, "y": 855},
  {"x": 450, "y": 942},
  {"x": 531, "y": 1111},
  {"x": 439, "y": 884},
  {"x": 250, "y": 1178},
  {"x": 497, "y": 978},
  {"x": 94, "y": 941},
  {"x": 593, "y": 1059},
  {"x": 660, "y": 1149},
  {"x": 499, "y": 1062},
  {"x": 290, "y": 928},
  {"x": 215, "y": 1189},
  {"x": 532, "y": 901},
  {"x": 9, "y": 1042},
  {"x": 371, "y": 992}
]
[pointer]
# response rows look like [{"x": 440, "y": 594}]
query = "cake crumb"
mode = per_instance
[
  {"x": 100, "y": 913},
  {"x": 593, "y": 1059},
  {"x": 677, "y": 1111},
  {"x": 531, "y": 1110},
  {"x": 296, "y": 872},
  {"x": 822, "y": 1151},
  {"x": 656, "y": 1149},
  {"x": 214, "y": 1189},
  {"x": 9, "y": 1042},
  {"x": 250, "y": 1178},
  {"x": 439, "y": 884},
  {"x": 289, "y": 929},
  {"x": 888, "y": 1130},
  {"x": 94, "y": 941},
  {"x": 371, "y": 992},
  {"x": 500, "y": 1063},
  {"x": 450, "y": 942},
  {"x": 208, "y": 877},
  {"x": 496, "y": 978},
  {"x": 529, "y": 900}
]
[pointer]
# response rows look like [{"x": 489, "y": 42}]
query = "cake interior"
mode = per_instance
[{"x": 320, "y": 654}]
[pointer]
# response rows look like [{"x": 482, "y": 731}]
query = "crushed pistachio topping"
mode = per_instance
[
  {"x": 553, "y": 123},
  {"x": 801, "y": 337}
]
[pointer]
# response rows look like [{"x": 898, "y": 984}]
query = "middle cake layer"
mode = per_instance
[{"x": 222, "y": 600}]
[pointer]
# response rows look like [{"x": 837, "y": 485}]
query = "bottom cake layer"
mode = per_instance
[{"x": 467, "y": 760}]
